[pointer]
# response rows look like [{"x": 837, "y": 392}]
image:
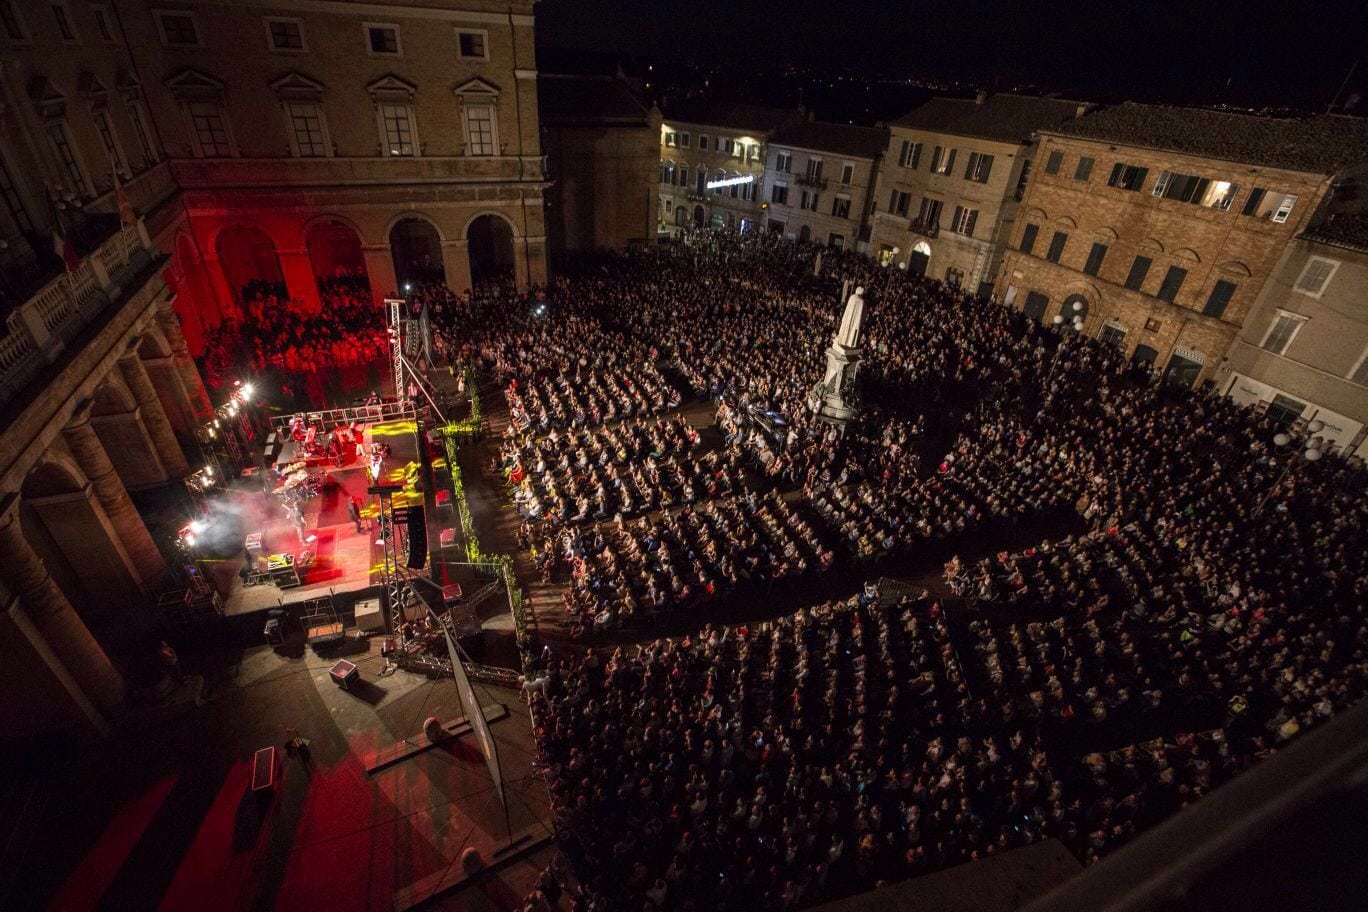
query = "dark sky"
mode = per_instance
[{"x": 1258, "y": 52}]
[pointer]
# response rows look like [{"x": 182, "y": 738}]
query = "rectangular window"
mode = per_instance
[
  {"x": 102, "y": 26},
  {"x": 1028, "y": 238},
  {"x": 1281, "y": 332},
  {"x": 285, "y": 34},
  {"x": 102, "y": 126},
  {"x": 397, "y": 121},
  {"x": 685, "y": 140},
  {"x": 942, "y": 160},
  {"x": 1139, "y": 269},
  {"x": 928, "y": 214},
  {"x": 1173, "y": 280},
  {"x": 135, "y": 116},
  {"x": 306, "y": 126},
  {"x": 779, "y": 193},
  {"x": 702, "y": 142},
  {"x": 978, "y": 167},
  {"x": 783, "y": 162},
  {"x": 9, "y": 22},
  {"x": 753, "y": 154},
  {"x": 1269, "y": 204},
  {"x": 479, "y": 120},
  {"x": 178, "y": 29},
  {"x": 1053, "y": 161},
  {"x": 898, "y": 202},
  {"x": 1095, "y": 257},
  {"x": 1021, "y": 181},
  {"x": 382, "y": 39},
  {"x": 847, "y": 173},
  {"x": 964, "y": 221},
  {"x": 1113, "y": 335},
  {"x": 671, "y": 138},
  {"x": 14, "y": 203},
  {"x": 62, "y": 16},
  {"x": 1056, "y": 247},
  {"x": 814, "y": 169},
  {"x": 840, "y": 207},
  {"x": 1315, "y": 276},
  {"x": 1359, "y": 374},
  {"x": 61, "y": 144},
  {"x": 472, "y": 45},
  {"x": 1219, "y": 298},
  {"x": 210, "y": 129},
  {"x": 810, "y": 200},
  {"x": 1219, "y": 195},
  {"x": 909, "y": 154},
  {"x": 1127, "y": 177},
  {"x": 1083, "y": 172},
  {"x": 836, "y": 240}
]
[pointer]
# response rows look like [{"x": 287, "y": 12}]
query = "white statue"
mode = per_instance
[{"x": 849, "y": 333}]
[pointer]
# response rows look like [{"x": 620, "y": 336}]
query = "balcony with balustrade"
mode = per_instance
[
  {"x": 41, "y": 323},
  {"x": 925, "y": 228},
  {"x": 814, "y": 181}
]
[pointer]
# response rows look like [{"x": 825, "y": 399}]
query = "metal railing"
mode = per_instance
[
  {"x": 382, "y": 411},
  {"x": 928, "y": 229}
]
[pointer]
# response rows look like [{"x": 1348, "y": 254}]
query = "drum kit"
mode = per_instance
[{"x": 298, "y": 484}]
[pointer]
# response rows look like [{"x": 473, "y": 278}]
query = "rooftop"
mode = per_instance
[
  {"x": 733, "y": 115},
  {"x": 843, "y": 139},
  {"x": 604, "y": 100},
  {"x": 1349, "y": 231},
  {"x": 1004, "y": 117},
  {"x": 1319, "y": 144}
]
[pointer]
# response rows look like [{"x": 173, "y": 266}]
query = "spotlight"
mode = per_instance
[
  {"x": 408, "y": 286},
  {"x": 197, "y": 526},
  {"x": 246, "y": 392},
  {"x": 208, "y": 470},
  {"x": 216, "y": 423},
  {"x": 208, "y": 481},
  {"x": 190, "y": 541}
]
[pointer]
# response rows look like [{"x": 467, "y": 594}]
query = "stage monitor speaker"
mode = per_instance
[{"x": 417, "y": 538}]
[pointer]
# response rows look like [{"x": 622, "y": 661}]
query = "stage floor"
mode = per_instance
[{"x": 344, "y": 559}]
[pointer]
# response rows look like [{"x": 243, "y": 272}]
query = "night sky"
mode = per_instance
[{"x": 1257, "y": 53}]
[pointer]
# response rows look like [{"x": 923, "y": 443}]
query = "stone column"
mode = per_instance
[
  {"x": 167, "y": 382},
  {"x": 456, "y": 262},
  {"x": 300, "y": 280},
  {"x": 54, "y": 617},
  {"x": 153, "y": 415},
  {"x": 191, "y": 381},
  {"x": 113, "y": 496},
  {"x": 380, "y": 271}
]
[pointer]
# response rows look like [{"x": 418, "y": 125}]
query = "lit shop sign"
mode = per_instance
[{"x": 731, "y": 181}]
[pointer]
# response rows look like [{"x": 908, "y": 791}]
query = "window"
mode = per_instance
[
  {"x": 1359, "y": 374},
  {"x": 701, "y": 179},
  {"x": 898, "y": 202},
  {"x": 753, "y": 154},
  {"x": 847, "y": 173},
  {"x": 1028, "y": 238},
  {"x": 9, "y": 22},
  {"x": 1219, "y": 298},
  {"x": 14, "y": 203},
  {"x": 210, "y": 129},
  {"x": 671, "y": 138},
  {"x": 685, "y": 140},
  {"x": 954, "y": 276},
  {"x": 1139, "y": 269},
  {"x": 305, "y": 121},
  {"x": 1127, "y": 177},
  {"x": 1315, "y": 276},
  {"x": 783, "y": 162},
  {"x": 814, "y": 169},
  {"x": 116, "y": 161},
  {"x": 1112, "y": 334},
  {"x": 1082, "y": 173},
  {"x": 1173, "y": 280},
  {"x": 928, "y": 215},
  {"x": 809, "y": 200},
  {"x": 909, "y": 154},
  {"x": 102, "y": 26},
  {"x": 978, "y": 167},
  {"x": 739, "y": 150},
  {"x": 135, "y": 116},
  {"x": 397, "y": 125},
  {"x": 382, "y": 39},
  {"x": 472, "y": 45},
  {"x": 840, "y": 206},
  {"x": 1269, "y": 204},
  {"x": 1283, "y": 410},
  {"x": 1152, "y": 324},
  {"x": 66, "y": 156},
  {"x": 1282, "y": 331},
  {"x": 1056, "y": 246},
  {"x": 702, "y": 142},
  {"x": 62, "y": 17},
  {"x": 667, "y": 172},
  {"x": 481, "y": 137},
  {"x": 285, "y": 34},
  {"x": 1095, "y": 257},
  {"x": 1190, "y": 189},
  {"x": 964, "y": 221},
  {"x": 836, "y": 240},
  {"x": 1021, "y": 181},
  {"x": 748, "y": 191},
  {"x": 942, "y": 160},
  {"x": 178, "y": 29},
  {"x": 1052, "y": 163},
  {"x": 1219, "y": 195},
  {"x": 779, "y": 193}
]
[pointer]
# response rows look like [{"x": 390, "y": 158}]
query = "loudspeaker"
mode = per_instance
[{"x": 417, "y": 538}]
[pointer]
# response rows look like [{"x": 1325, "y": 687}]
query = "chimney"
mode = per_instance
[{"x": 980, "y": 98}]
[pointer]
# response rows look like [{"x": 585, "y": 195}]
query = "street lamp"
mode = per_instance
[{"x": 1308, "y": 448}]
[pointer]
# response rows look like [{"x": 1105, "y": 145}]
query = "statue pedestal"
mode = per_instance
[{"x": 832, "y": 399}]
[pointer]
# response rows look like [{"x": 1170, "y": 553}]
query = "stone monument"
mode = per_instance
[{"x": 833, "y": 399}]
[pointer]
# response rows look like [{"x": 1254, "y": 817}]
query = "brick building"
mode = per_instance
[
  {"x": 1159, "y": 226},
  {"x": 1303, "y": 352},
  {"x": 819, "y": 179},
  {"x": 602, "y": 148},
  {"x": 950, "y": 183},
  {"x": 712, "y": 163}
]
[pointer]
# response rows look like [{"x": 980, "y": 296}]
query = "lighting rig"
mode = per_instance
[{"x": 226, "y": 440}]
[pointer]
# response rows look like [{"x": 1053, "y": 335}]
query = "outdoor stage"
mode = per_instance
[{"x": 338, "y": 557}]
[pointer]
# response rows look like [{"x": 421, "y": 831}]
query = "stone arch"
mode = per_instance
[
  {"x": 1187, "y": 253},
  {"x": 1235, "y": 268},
  {"x": 489, "y": 241},
  {"x": 153, "y": 344},
  {"x": 250, "y": 262},
  {"x": 51, "y": 498},
  {"x": 1036, "y": 214},
  {"x": 336, "y": 250},
  {"x": 416, "y": 249},
  {"x": 112, "y": 398},
  {"x": 1065, "y": 222},
  {"x": 119, "y": 424},
  {"x": 1107, "y": 233},
  {"x": 55, "y": 474},
  {"x": 1152, "y": 244}
]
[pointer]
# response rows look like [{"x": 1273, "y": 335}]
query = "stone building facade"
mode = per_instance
[
  {"x": 602, "y": 148},
  {"x": 1302, "y": 354},
  {"x": 951, "y": 181},
  {"x": 712, "y": 164},
  {"x": 819, "y": 179},
  {"x": 1159, "y": 226}
]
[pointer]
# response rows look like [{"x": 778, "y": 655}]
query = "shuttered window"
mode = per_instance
[
  {"x": 1028, "y": 238},
  {"x": 1219, "y": 298},
  {"x": 1173, "y": 280}
]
